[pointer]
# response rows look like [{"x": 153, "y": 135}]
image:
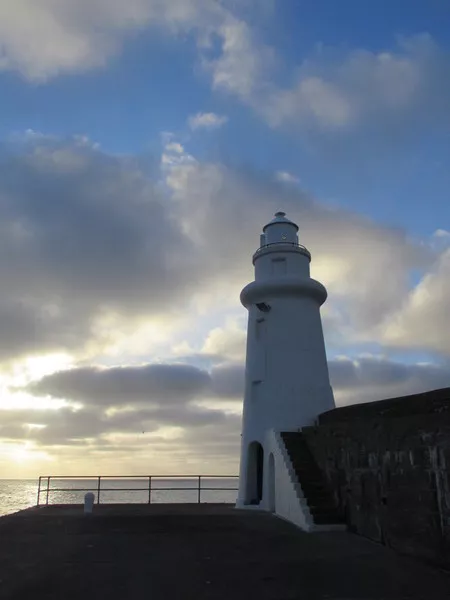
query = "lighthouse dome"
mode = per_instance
[{"x": 280, "y": 230}]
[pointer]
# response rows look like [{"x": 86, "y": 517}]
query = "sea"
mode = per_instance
[{"x": 18, "y": 494}]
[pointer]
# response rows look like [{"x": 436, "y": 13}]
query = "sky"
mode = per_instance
[{"x": 143, "y": 146}]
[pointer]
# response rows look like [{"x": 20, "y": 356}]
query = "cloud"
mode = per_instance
[
  {"x": 45, "y": 39},
  {"x": 87, "y": 239},
  {"x": 135, "y": 407},
  {"x": 442, "y": 233},
  {"x": 124, "y": 254},
  {"x": 353, "y": 256},
  {"x": 362, "y": 84},
  {"x": 389, "y": 93},
  {"x": 42, "y": 40},
  {"x": 175, "y": 147},
  {"x": 440, "y": 240},
  {"x": 92, "y": 426},
  {"x": 228, "y": 381},
  {"x": 153, "y": 384},
  {"x": 371, "y": 378},
  {"x": 286, "y": 177},
  {"x": 228, "y": 342},
  {"x": 423, "y": 319},
  {"x": 151, "y": 398},
  {"x": 398, "y": 89},
  {"x": 206, "y": 121},
  {"x": 243, "y": 64},
  {"x": 157, "y": 391}
]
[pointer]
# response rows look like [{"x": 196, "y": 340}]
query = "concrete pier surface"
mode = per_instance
[{"x": 184, "y": 552}]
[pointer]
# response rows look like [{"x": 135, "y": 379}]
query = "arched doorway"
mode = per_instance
[
  {"x": 255, "y": 473},
  {"x": 271, "y": 485}
]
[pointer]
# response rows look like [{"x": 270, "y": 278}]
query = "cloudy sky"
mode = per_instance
[{"x": 143, "y": 145}]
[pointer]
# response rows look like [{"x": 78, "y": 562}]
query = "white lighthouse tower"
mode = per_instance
[{"x": 286, "y": 380}]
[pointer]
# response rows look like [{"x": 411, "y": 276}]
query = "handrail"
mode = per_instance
[
  {"x": 44, "y": 485},
  {"x": 295, "y": 244}
]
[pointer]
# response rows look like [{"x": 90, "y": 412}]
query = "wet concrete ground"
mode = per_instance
[{"x": 198, "y": 552}]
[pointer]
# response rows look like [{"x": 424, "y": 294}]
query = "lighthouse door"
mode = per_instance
[
  {"x": 255, "y": 473},
  {"x": 259, "y": 472},
  {"x": 271, "y": 484}
]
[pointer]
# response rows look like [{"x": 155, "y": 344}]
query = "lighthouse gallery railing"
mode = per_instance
[{"x": 291, "y": 244}]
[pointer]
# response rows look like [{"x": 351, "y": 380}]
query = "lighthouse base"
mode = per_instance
[{"x": 268, "y": 482}]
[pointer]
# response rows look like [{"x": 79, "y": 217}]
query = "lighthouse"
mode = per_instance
[{"x": 286, "y": 376}]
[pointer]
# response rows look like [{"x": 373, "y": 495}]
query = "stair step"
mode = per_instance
[
  {"x": 305, "y": 467},
  {"x": 326, "y": 517},
  {"x": 324, "y": 513},
  {"x": 307, "y": 428},
  {"x": 318, "y": 501},
  {"x": 303, "y": 460},
  {"x": 314, "y": 487},
  {"x": 314, "y": 500},
  {"x": 330, "y": 517},
  {"x": 321, "y": 510},
  {"x": 312, "y": 480},
  {"x": 294, "y": 443},
  {"x": 311, "y": 472},
  {"x": 302, "y": 456}
]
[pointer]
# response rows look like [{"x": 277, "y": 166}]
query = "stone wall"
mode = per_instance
[{"x": 387, "y": 465}]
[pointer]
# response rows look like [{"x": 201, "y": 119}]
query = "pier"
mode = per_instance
[{"x": 198, "y": 552}]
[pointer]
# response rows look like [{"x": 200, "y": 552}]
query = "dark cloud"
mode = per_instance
[
  {"x": 83, "y": 233},
  {"x": 87, "y": 425},
  {"x": 150, "y": 398},
  {"x": 155, "y": 383},
  {"x": 147, "y": 397},
  {"x": 228, "y": 380},
  {"x": 370, "y": 378},
  {"x": 170, "y": 386}
]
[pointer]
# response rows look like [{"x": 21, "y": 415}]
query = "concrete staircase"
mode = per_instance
[{"x": 312, "y": 482}]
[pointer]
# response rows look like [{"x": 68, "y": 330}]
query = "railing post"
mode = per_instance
[
  {"x": 199, "y": 488},
  {"x": 48, "y": 489},
  {"x": 150, "y": 489},
  {"x": 98, "y": 489},
  {"x": 39, "y": 491}
]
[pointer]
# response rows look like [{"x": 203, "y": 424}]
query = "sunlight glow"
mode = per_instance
[
  {"x": 22, "y": 373},
  {"x": 24, "y": 401},
  {"x": 36, "y": 367},
  {"x": 22, "y": 453}
]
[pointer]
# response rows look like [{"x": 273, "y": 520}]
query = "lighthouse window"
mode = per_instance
[
  {"x": 256, "y": 390},
  {"x": 279, "y": 266},
  {"x": 259, "y": 329},
  {"x": 258, "y": 362}
]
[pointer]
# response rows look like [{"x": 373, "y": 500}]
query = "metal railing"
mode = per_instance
[
  {"x": 294, "y": 244},
  {"x": 45, "y": 489}
]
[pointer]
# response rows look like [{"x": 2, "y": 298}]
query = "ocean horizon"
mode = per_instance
[{"x": 19, "y": 494}]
